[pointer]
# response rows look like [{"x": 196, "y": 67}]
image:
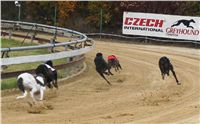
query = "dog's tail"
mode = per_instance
[
  {"x": 174, "y": 24},
  {"x": 20, "y": 84}
]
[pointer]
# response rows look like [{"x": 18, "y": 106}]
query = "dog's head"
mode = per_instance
[
  {"x": 50, "y": 63},
  {"x": 192, "y": 20},
  {"x": 99, "y": 54}
]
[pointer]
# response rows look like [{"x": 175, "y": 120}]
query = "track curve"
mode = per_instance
[{"x": 138, "y": 93}]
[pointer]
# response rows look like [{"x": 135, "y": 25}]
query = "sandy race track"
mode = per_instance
[{"x": 137, "y": 95}]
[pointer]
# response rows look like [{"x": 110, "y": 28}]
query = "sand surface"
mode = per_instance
[{"x": 137, "y": 95}]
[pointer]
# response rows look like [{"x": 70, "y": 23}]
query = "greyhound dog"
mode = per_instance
[
  {"x": 49, "y": 72},
  {"x": 102, "y": 66},
  {"x": 114, "y": 62},
  {"x": 165, "y": 66},
  {"x": 26, "y": 81}
]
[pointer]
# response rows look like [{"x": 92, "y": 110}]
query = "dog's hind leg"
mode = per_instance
[
  {"x": 176, "y": 78},
  {"x": 21, "y": 87},
  {"x": 163, "y": 76},
  {"x": 178, "y": 23},
  {"x": 173, "y": 72},
  {"x": 190, "y": 27},
  {"x": 105, "y": 78},
  {"x": 162, "y": 70},
  {"x": 49, "y": 85},
  {"x": 106, "y": 73},
  {"x": 32, "y": 93},
  {"x": 55, "y": 84},
  {"x": 116, "y": 69},
  {"x": 55, "y": 80},
  {"x": 110, "y": 72},
  {"x": 119, "y": 66}
]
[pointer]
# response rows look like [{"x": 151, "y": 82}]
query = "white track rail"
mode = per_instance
[{"x": 47, "y": 29}]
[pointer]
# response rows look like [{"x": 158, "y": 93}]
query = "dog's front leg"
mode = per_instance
[
  {"x": 24, "y": 95},
  {"x": 32, "y": 93},
  {"x": 42, "y": 93}
]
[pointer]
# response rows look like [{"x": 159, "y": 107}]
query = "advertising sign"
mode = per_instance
[{"x": 160, "y": 25}]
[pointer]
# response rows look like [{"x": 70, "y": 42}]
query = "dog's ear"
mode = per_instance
[
  {"x": 99, "y": 54},
  {"x": 49, "y": 62}
]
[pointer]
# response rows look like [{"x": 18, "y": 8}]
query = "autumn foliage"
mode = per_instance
[{"x": 85, "y": 15}]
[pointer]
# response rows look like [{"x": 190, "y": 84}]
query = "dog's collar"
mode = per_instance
[{"x": 38, "y": 82}]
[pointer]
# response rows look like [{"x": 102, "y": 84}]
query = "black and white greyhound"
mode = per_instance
[
  {"x": 27, "y": 81},
  {"x": 49, "y": 73}
]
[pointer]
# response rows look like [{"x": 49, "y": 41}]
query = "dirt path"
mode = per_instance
[{"x": 138, "y": 93}]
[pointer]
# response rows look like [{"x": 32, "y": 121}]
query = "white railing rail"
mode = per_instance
[
  {"x": 45, "y": 57},
  {"x": 51, "y": 29},
  {"x": 47, "y": 29}
]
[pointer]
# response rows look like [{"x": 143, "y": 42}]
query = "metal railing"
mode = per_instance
[
  {"x": 82, "y": 38},
  {"x": 143, "y": 38}
]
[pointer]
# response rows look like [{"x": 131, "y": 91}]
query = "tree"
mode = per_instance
[
  {"x": 85, "y": 15},
  {"x": 65, "y": 8},
  {"x": 110, "y": 14}
]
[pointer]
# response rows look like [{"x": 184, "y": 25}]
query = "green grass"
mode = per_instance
[
  {"x": 8, "y": 83},
  {"x": 11, "y": 82},
  {"x": 13, "y": 43}
]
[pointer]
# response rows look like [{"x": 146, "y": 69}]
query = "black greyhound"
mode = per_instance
[
  {"x": 114, "y": 62},
  {"x": 102, "y": 66},
  {"x": 165, "y": 67},
  {"x": 49, "y": 72}
]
